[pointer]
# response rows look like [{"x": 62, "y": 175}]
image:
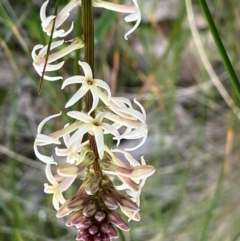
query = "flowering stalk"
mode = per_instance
[{"x": 92, "y": 210}]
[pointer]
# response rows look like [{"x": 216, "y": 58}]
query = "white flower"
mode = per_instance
[
  {"x": 135, "y": 13},
  {"x": 57, "y": 188},
  {"x": 72, "y": 151},
  {"x": 40, "y": 58},
  {"x": 94, "y": 126},
  {"x": 140, "y": 132},
  {"x": 47, "y": 22},
  {"x": 88, "y": 83},
  {"x": 43, "y": 140}
]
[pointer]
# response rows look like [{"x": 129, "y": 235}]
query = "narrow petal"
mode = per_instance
[
  {"x": 80, "y": 116},
  {"x": 55, "y": 201},
  {"x": 129, "y": 157},
  {"x": 140, "y": 144},
  {"x": 84, "y": 128},
  {"x": 42, "y": 123},
  {"x": 66, "y": 183},
  {"x": 49, "y": 175},
  {"x": 43, "y": 11},
  {"x": 43, "y": 140},
  {"x": 61, "y": 199},
  {"x": 61, "y": 152},
  {"x": 43, "y": 158},
  {"x": 103, "y": 85},
  {"x": 54, "y": 67},
  {"x": 65, "y": 33},
  {"x": 77, "y": 79},
  {"x": 46, "y": 24},
  {"x": 87, "y": 70},
  {"x": 35, "y": 48},
  {"x": 137, "y": 133},
  {"x": 98, "y": 135},
  {"x": 141, "y": 107},
  {"x": 66, "y": 137},
  {"x": 94, "y": 91},
  {"x": 132, "y": 112},
  {"x": 121, "y": 101},
  {"x": 114, "y": 7},
  {"x": 77, "y": 96},
  {"x": 103, "y": 97},
  {"x": 111, "y": 130},
  {"x": 122, "y": 121}
]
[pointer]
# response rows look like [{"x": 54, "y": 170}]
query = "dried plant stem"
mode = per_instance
[{"x": 88, "y": 33}]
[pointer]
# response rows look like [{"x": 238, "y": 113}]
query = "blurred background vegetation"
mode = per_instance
[{"x": 193, "y": 140}]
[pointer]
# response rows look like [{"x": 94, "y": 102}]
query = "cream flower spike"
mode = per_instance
[
  {"x": 43, "y": 140},
  {"x": 40, "y": 58},
  {"x": 135, "y": 13},
  {"x": 93, "y": 126},
  {"x": 57, "y": 188},
  {"x": 47, "y": 22},
  {"x": 88, "y": 83}
]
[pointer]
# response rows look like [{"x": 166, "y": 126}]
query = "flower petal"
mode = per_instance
[
  {"x": 103, "y": 85},
  {"x": 77, "y": 79},
  {"x": 84, "y": 128},
  {"x": 43, "y": 158},
  {"x": 98, "y": 135},
  {"x": 49, "y": 175},
  {"x": 77, "y": 96},
  {"x": 110, "y": 129},
  {"x": 43, "y": 11},
  {"x": 94, "y": 91},
  {"x": 80, "y": 116},
  {"x": 87, "y": 70}
]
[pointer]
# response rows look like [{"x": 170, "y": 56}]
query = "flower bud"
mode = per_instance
[
  {"x": 90, "y": 210},
  {"x": 82, "y": 222},
  {"x": 97, "y": 238},
  {"x": 112, "y": 232},
  {"x": 63, "y": 210},
  {"x": 73, "y": 217},
  {"x": 110, "y": 203},
  {"x": 142, "y": 172},
  {"x": 75, "y": 204},
  {"x": 105, "y": 227},
  {"x": 68, "y": 170},
  {"x": 92, "y": 185},
  {"x": 99, "y": 216},
  {"x": 128, "y": 204},
  {"x": 118, "y": 221},
  {"x": 93, "y": 230}
]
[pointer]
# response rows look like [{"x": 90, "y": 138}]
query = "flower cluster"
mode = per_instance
[{"x": 109, "y": 182}]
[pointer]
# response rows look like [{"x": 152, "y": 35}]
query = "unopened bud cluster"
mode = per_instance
[{"x": 93, "y": 210}]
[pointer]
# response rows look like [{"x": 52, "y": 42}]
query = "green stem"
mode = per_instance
[
  {"x": 221, "y": 49},
  {"x": 88, "y": 34}
]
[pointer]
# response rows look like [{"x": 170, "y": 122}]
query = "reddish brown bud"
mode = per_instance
[
  {"x": 113, "y": 232},
  {"x": 99, "y": 216},
  {"x": 105, "y": 227},
  {"x": 75, "y": 205},
  {"x": 90, "y": 210},
  {"x": 92, "y": 185},
  {"x": 110, "y": 202},
  {"x": 97, "y": 238},
  {"x": 118, "y": 221},
  {"x": 93, "y": 230}
]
